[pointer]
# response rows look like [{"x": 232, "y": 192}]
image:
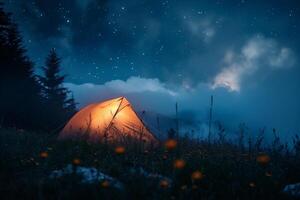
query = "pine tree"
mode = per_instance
[
  {"x": 19, "y": 89},
  {"x": 58, "y": 102},
  {"x": 70, "y": 106}
]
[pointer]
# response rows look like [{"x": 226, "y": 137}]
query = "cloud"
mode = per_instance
[
  {"x": 230, "y": 108},
  {"x": 284, "y": 59},
  {"x": 257, "y": 53},
  {"x": 202, "y": 29},
  {"x": 137, "y": 84},
  {"x": 229, "y": 78},
  {"x": 89, "y": 92}
]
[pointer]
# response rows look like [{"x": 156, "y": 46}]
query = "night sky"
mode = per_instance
[{"x": 245, "y": 53}]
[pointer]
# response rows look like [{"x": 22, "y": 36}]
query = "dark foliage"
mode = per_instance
[
  {"x": 57, "y": 99},
  {"x": 226, "y": 171},
  {"x": 25, "y": 100},
  {"x": 20, "y": 97}
]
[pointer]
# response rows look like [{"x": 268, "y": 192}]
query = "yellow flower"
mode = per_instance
[
  {"x": 197, "y": 175},
  {"x": 164, "y": 184},
  {"x": 120, "y": 150},
  {"x": 105, "y": 184},
  {"x": 170, "y": 144},
  {"x": 179, "y": 164},
  {"x": 76, "y": 161},
  {"x": 263, "y": 159},
  {"x": 44, "y": 154}
]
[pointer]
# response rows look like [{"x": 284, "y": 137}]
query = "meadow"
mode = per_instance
[{"x": 183, "y": 169}]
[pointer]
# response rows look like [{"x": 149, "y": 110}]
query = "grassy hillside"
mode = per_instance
[{"x": 186, "y": 170}]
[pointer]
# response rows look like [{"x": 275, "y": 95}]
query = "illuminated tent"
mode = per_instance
[{"x": 111, "y": 120}]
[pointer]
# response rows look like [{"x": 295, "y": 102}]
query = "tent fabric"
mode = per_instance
[{"x": 112, "y": 120}]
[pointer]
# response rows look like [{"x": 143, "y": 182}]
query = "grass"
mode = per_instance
[{"x": 220, "y": 170}]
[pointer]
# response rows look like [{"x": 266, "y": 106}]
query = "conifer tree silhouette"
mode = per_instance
[
  {"x": 57, "y": 98},
  {"x": 21, "y": 100}
]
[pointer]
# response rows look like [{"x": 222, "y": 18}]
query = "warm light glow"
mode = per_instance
[
  {"x": 179, "y": 164},
  {"x": 164, "y": 184},
  {"x": 44, "y": 154},
  {"x": 197, "y": 175},
  {"x": 105, "y": 184},
  {"x": 170, "y": 144},
  {"x": 263, "y": 159},
  {"x": 120, "y": 150},
  {"x": 103, "y": 119},
  {"x": 76, "y": 161}
]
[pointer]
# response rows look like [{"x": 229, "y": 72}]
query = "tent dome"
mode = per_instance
[{"x": 111, "y": 120}]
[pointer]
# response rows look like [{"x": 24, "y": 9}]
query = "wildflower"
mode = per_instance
[
  {"x": 179, "y": 164},
  {"x": 252, "y": 184},
  {"x": 44, "y": 154},
  {"x": 119, "y": 150},
  {"x": 269, "y": 174},
  {"x": 165, "y": 157},
  {"x": 263, "y": 159},
  {"x": 105, "y": 184},
  {"x": 164, "y": 184},
  {"x": 197, "y": 175},
  {"x": 76, "y": 161},
  {"x": 170, "y": 144}
]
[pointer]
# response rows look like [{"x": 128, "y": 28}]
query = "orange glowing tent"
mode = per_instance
[{"x": 111, "y": 120}]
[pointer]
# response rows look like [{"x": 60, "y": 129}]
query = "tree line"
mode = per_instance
[{"x": 27, "y": 100}]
